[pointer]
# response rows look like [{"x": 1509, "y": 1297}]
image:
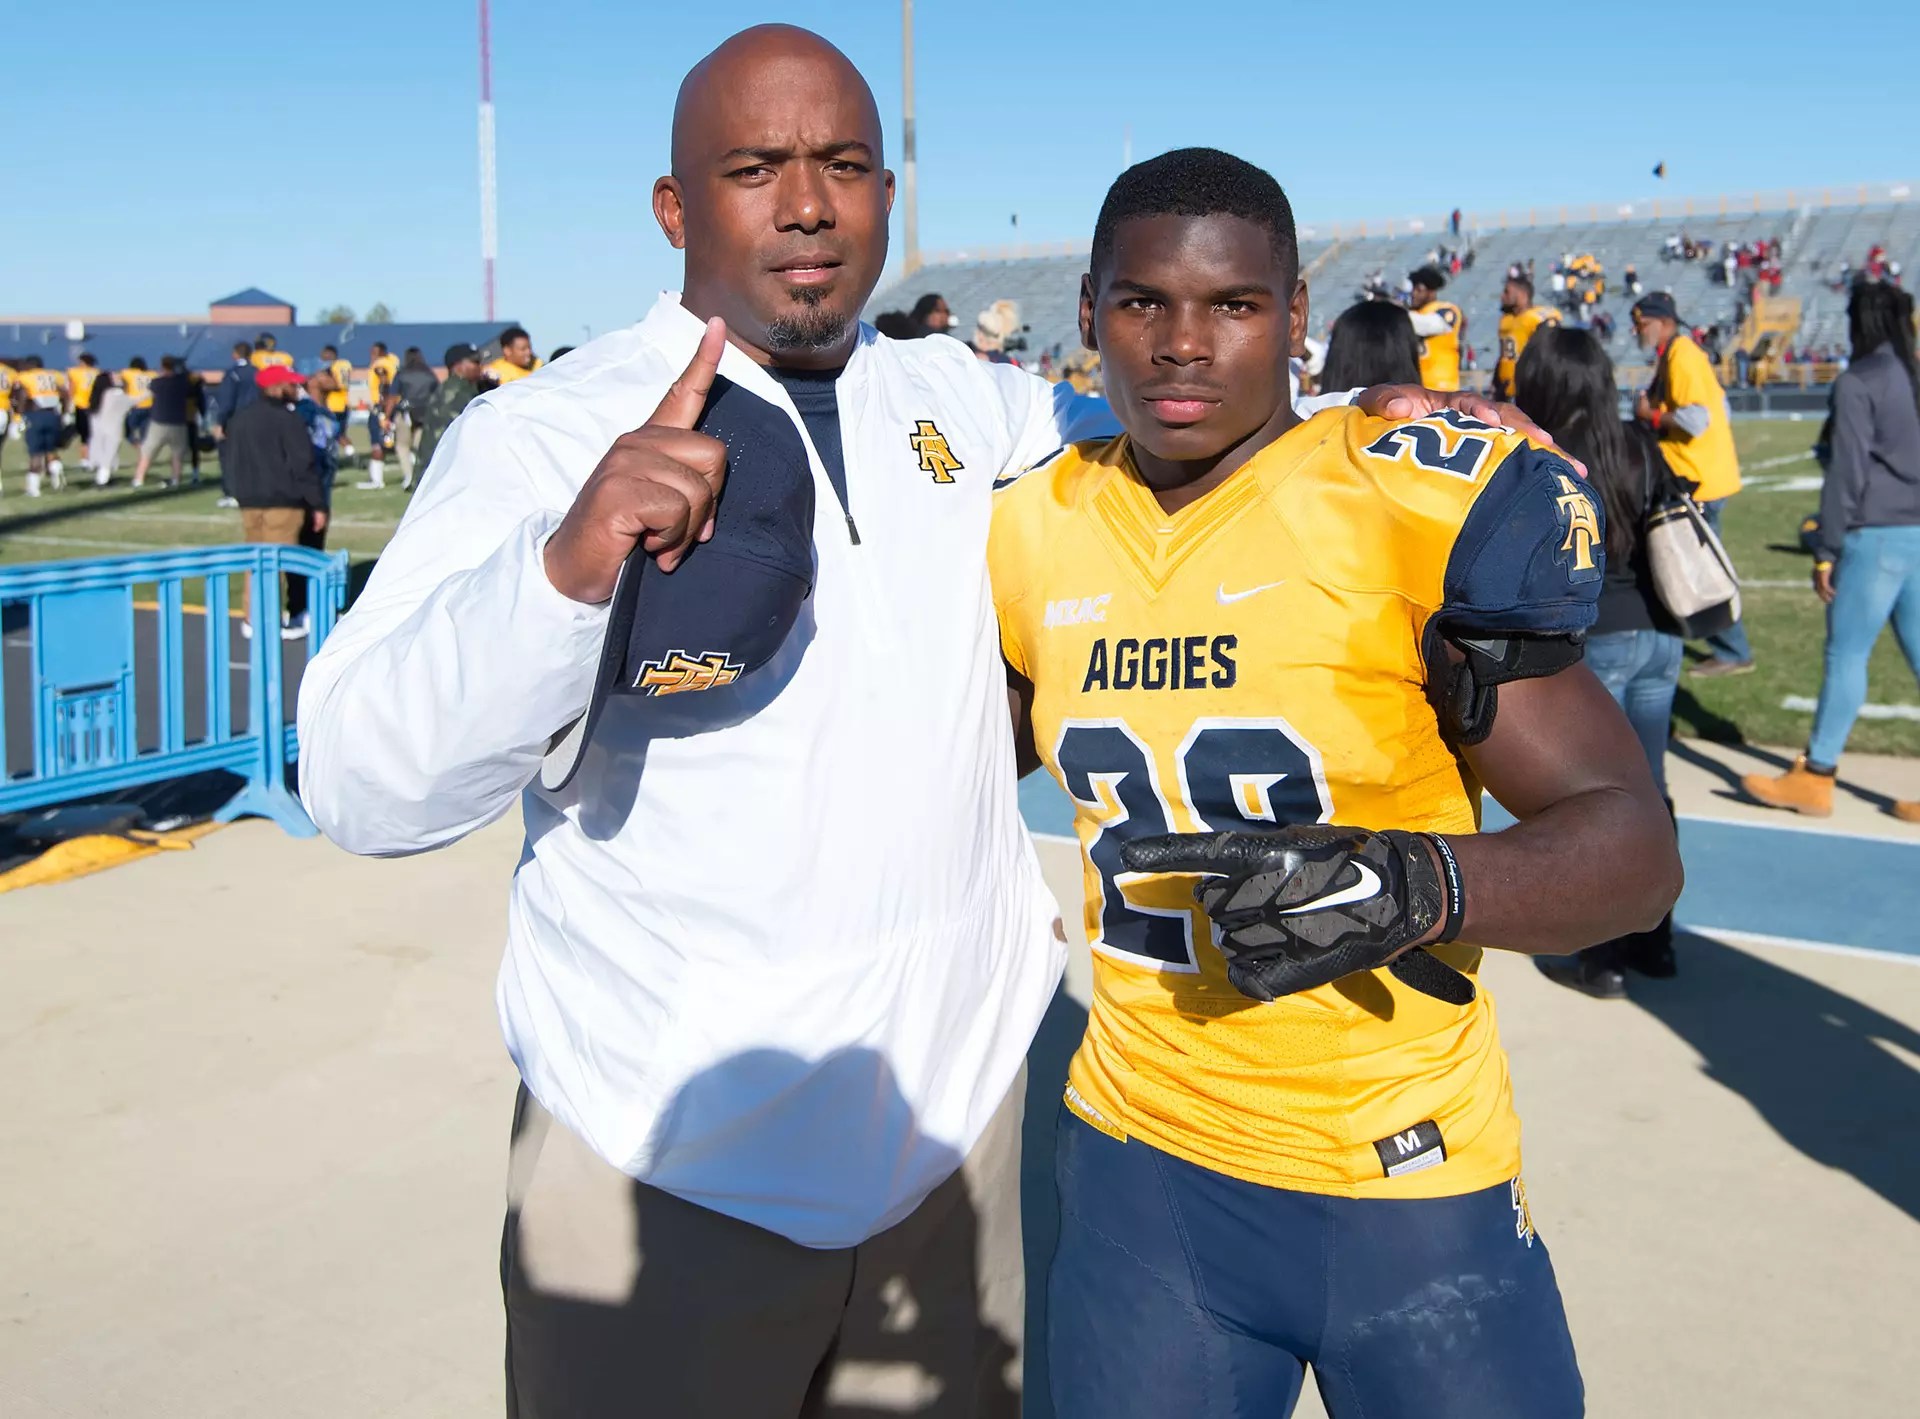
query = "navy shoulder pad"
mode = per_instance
[{"x": 1531, "y": 554}]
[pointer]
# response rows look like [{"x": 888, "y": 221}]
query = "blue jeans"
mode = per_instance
[
  {"x": 1877, "y": 577},
  {"x": 1179, "y": 1291},
  {"x": 1640, "y": 670},
  {"x": 1730, "y": 644}
]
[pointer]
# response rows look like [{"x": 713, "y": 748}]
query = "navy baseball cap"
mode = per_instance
[
  {"x": 728, "y": 607},
  {"x": 1657, "y": 305}
]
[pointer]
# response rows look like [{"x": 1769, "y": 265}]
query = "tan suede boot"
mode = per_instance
[
  {"x": 1906, "y": 810},
  {"x": 1799, "y": 788}
]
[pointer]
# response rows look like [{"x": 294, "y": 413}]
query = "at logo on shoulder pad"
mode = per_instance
[{"x": 1579, "y": 529}]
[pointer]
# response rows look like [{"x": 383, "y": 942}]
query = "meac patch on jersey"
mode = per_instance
[{"x": 1260, "y": 658}]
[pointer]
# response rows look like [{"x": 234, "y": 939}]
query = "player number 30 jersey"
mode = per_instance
[{"x": 1260, "y": 658}]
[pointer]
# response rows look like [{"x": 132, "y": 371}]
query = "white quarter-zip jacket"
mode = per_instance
[{"x": 781, "y": 946}]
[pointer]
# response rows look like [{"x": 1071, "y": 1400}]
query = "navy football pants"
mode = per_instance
[{"x": 1184, "y": 1293}]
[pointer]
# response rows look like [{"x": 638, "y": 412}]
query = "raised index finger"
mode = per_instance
[{"x": 686, "y": 397}]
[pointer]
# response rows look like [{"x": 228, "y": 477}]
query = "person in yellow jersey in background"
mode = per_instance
[
  {"x": 383, "y": 366},
  {"x": 1519, "y": 318},
  {"x": 1686, "y": 407},
  {"x": 516, "y": 359},
  {"x": 137, "y": 380},
  {"x": 1273, "y": 663},
  {"x": 81, "y": 377},
  {"x": 9, "y": 378},
  {"x": 42, "y": 397},
  {"x": 342, "y": 372},
  {"x": 1440, "y": 326},
  {"x": 267, "y": 352}
]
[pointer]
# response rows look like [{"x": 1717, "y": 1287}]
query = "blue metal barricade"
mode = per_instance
[{"x": 91, "y": 665}]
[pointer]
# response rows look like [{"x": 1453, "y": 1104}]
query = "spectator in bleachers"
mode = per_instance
[
  {"x": 896, "y": 325},
  {"x": 1685, "y": 407},
  {"x": 1867, "y": 549},
  {"x": 1371, "y": 343},
  {"x": 930, "y": 315},
  {"x": 1565, "y": 383},
  {"x": 1631, "y": 278}
]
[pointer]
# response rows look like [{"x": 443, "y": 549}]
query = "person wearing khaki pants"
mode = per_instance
[{"x": 268, "y": 461}]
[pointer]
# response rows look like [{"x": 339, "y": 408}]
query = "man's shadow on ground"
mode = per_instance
[{"x": 1815, "y": 1064}]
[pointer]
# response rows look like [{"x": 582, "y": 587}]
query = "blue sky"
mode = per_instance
[{"x": 328, "y": 153}]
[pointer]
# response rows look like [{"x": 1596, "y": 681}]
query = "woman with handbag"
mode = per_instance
[
  {"x": 1565, "y": 383},
  {"x": 1867, "y": 548}
]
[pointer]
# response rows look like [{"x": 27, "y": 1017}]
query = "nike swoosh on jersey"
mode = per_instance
[
  {"x": 1227, "y": 598},
  {"x": 1367, "y": 886}
]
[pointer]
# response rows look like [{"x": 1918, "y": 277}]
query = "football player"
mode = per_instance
[
  {"x": 1273, "y": 663},
  {"x": 382, "y": 368},
  {"x": 1439, "y": 324},
  {"x": 1519, "y": 318},
  {"x": 516, "y": 359}
]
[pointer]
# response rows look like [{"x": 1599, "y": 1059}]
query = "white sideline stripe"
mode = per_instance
[
  {"x": 1795, "y": 943},
  {"x": 1793, "y": 823},
  {"x": 1806, "y": 704},
  {"x": 1781, "y": 460}
]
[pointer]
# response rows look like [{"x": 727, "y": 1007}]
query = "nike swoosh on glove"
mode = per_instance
[{"x": 1304, "y": 906}]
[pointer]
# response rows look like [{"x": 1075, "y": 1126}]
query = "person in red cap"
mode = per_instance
[{"x": 270, "y": 466}]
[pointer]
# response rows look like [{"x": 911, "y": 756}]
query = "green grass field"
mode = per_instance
[{"x": 1784, "y": 620}]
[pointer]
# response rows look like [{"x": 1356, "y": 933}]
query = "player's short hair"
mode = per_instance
[
  {"x": 329, "y": 351},
  {"x": 1522, "y": 280},
  {"x": 512, "y": 333},
  {"x": 1198, "y": 182},
  {"x": 90, "y": 362},
  {"x": 379, "y": 345},
  {"x": 136, "y": 363},
  {"x": 242, "y": 349},
  {"x": 265, "y": 342},
  {"x": 170, "y": 363}
]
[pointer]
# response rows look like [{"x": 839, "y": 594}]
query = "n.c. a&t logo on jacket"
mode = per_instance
[
  {"x": 935, "y": 457},
  {"x": 677, "y": 672}
]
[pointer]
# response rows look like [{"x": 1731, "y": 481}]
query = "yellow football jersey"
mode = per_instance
[
  {"x": 380, "y": 375},
  {"x": 262, "y": 358},
  {"x": 1440, "y": 354},
  {"x": 46, "y": 389},
  {"x": 1515, "y": 330},
  {"x": 342, "y": 372},
  {"x": 1258, "y": 659},
  {"x": 80, "y": 378},
  {"x": 138, "y": 383},
  {"x": 8, "y": 381},
  {"x": 505, "y": 371}
]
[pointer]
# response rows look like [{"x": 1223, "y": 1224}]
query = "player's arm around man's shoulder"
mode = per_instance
[{"x": 476, "y": 639}]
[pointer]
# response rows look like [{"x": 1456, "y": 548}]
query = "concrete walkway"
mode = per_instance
[{"x": 253, "y": 1155}]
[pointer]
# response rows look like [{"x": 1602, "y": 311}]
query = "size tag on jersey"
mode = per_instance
[{"x": 1412, "y": 1149}]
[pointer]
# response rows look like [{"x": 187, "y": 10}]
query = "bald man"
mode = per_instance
[{"x": 777, "y": 949}]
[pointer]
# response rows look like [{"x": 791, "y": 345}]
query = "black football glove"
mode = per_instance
[{"x": 1304, "y": 906}]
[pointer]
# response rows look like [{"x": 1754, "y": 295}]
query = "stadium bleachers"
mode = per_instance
[{"x": 1816, "y": 240}]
